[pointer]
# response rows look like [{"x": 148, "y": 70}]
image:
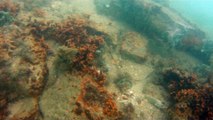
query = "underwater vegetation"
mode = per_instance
[
  {"x": 3, "y": 106},
  {"x": 190, "y": 101},
  {"x": 5, "y": 18},
  {"x": 105, "y": 72},
  {"x": 10, "y": 7},
  {"x": 94, "y": 101},
  {"x": 77, "y": 55},
  {"x": 26, "y": 80},
  {"x": 64, "y": 59},
  {"x": 8, "y": 12}
]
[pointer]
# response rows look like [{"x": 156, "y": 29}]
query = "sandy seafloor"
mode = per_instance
[{"x": 148, "y": 98}]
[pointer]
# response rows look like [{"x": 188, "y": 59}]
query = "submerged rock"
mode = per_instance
[
  {"x": 155, "y": 102},
  {"x": 158, "y": 22},
  {"x": 133, "y": 48},
  {"x": 123, "y": 82}
]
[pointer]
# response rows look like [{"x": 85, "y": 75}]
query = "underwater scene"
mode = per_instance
[{"x": 106, "y": 60}]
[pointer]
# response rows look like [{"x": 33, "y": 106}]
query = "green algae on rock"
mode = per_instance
[{"x": 5, "y": 18}]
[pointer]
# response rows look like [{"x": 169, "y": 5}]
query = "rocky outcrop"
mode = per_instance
[{"x": 159, "y": 22}]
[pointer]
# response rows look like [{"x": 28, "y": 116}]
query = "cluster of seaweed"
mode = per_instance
[
  {"x": 3, "y": 106},
  {"x": 23, "y": 65},
  {"x": 27, "y": 79},
  {"x": 6, "y": 48},
  {"x": 94, "y": 101},
  {"x": 9, "y": 6},
  {"x": 8, "y": 11},
  {"x": 193, "y": 42},
  {"x": 72, "y": 33},
  {"x": 190, "y": 101},
  {"x": 79, "y": 45}
]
